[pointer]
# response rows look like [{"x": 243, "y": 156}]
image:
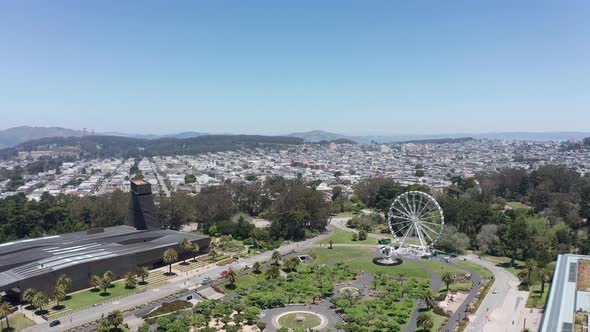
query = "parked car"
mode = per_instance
[{"x": 206, "y": 280}]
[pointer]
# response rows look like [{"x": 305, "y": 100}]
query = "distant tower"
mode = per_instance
[
  {"x": 333, "y": 146},
  {"x": 84, "y": 132},
  {"x": 91, "y": 132},
  {"x": 142, "y": 213}
]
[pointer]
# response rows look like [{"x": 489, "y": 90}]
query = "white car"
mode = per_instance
[{"x": 494, "y": 291}]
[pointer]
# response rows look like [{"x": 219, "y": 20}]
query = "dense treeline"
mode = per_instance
[
  {"x": 20, "y": 218},
  {"x": 523, "y": 215},
  {"x": 296, "y": 210},
  {"x": 126, "y": 147},
  {"x": 515, "y": 213}
]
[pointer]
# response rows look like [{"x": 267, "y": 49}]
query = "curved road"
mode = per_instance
[{"x": 505, "y": 310}]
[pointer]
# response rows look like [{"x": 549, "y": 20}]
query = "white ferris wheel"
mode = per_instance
[{"x": 416, "y": 222}]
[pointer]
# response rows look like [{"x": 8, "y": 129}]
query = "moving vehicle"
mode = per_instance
[{"x": 54, "y": 323}]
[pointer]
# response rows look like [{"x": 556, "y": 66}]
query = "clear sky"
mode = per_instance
[{"x": 269, "y": 67}]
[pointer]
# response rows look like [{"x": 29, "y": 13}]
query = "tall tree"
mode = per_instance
[
  {"x": 185, "y": 247},
  {"x": 425, "y": 321},
  {"x": 58, "y": 294},
  {"x": 195, "y": 249},
  {"x": 110, "y": 276},
  {"x": 5, "y": 310},
  {"x": 231, "y": 276},
  {"x": 448, "y": 278},
  {"x": 142, "y": 272},
  {"x": 256, "y": 266},
  {"x": 29, "y": 295},
  {"x": 64, "y": 282},
  {"x": 115, "y": 318},
  {"x": 170, "y": 256},
  {"x": 130, "y": 280},
  {"x": 273, "y": 272},
  {"x": 94, "y": 281},
  {"x": 276, "y": 257}
]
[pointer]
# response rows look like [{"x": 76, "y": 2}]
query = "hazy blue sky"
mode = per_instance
[{"x": 357, "y": 67}]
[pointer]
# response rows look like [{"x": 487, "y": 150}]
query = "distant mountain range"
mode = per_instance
[
  {"x": 320, "y": 135},
  {"x": 101, "y": 146},
  {"x": 14, "y": 136}
]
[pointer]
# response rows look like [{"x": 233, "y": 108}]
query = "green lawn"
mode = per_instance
[
  {"x": 407, "y": 269},
  {"x": 190, "y": 265},
  {"x": 482, "y": 271},
  {"x": 505, "y": 263},
  {"x": 459, "y": 286},
  {"x": 440, "y": 268},
  {"x": 361, "y": 259},
  {"x": 325, "y": 255},
  {"x": 245, "y": 282},
  {"x": 17, "y": 322},
  {"x": 438, "y": 320},
  {"x": 291, "y": 320},
  {"x": 341, "y": 236},
  {"x": 536, "y": 300},
  {"x": 89, "y": 297}
]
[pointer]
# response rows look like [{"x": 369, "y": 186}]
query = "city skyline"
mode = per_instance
[{"x": 274, "y": 68}]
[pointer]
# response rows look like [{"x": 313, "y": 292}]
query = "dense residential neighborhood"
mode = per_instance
[{"x": 332, "y": 165}]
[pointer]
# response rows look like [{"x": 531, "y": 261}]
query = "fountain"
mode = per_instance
[{"x": 387, "y": 259}]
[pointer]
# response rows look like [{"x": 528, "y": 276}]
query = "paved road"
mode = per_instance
[
  {"x": 504, "y": 311},
  {"x": 180, "y": 284},
  {"x": 461, "y": 312},
  {"x": 161, "y": 182},
  {"x": 435, "y": 283}
]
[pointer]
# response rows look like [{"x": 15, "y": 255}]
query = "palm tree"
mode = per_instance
[
  {"x": 448, "y": 279},
  {"x": 104, "y": 284},
  {"x": 428, "y": 297},
  {"x": 185, "y": 246},
  {"x": 103, "y": 326},
  {"x": 58, "y": 294},
  {"x": 231, "y": 276},
  {"x": 94, "y": 281},
  {"x": 115, "y": 318},
  {"x": 142, "y": 272},
  {"x": 276, "y": 256},
  {"x": 349, "y": 295},
  {"x": 40, "y": 300},
  {"x": 425, "y": 321},
  {"x": 213, "y": 254},
  {"x": 29, "y": 294},
  {"x": 291, "y": 263},
  {"x": 5, "y": 310},
  {"x": 273, "y": 272},
  {"x": 531, "y": 266},
  {"x": 130, "y": 280},
  {"x": 170, "y": 256},
  {"x": 257, "y": 266},
  {"x": 195, "y": 250},
  {"x": 64, "y": 282},
  {"x": 110, "y": 276},
  {"x": 545, "y": 276}
]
